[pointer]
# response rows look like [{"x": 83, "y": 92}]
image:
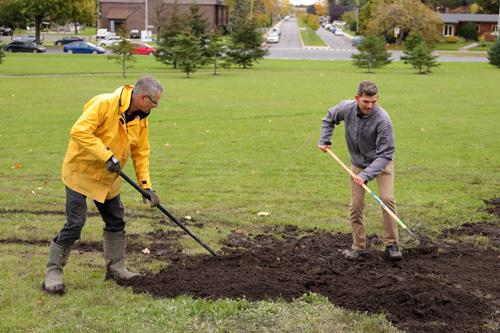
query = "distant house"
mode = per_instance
[
  {"x": 132, "y": 13},
  {"x": 486, "y": 23}
]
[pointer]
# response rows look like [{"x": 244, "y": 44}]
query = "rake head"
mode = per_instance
[{"x": 421, "y": 250}]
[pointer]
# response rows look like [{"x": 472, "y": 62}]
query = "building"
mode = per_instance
[
  {"x": 486, "y": 23},
  {"x": 132, "y": 13}
]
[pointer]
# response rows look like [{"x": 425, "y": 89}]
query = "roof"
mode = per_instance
[
  {"x": 481, "y": 18},
  {"x": 118, "y": 13}
]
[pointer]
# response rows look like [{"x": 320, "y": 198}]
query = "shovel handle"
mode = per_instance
[
  {"x": 367, "y": 189},
  {"x": 170, "y": 216}
]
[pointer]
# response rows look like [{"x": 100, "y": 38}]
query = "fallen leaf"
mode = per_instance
[
  {"x": 145, "y": 250},
  {"x": 187, "y": 217},
  {"x": 263, "y": 213},
  {"x": 17, "y": 166}
]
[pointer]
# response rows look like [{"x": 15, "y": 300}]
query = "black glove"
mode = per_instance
[
  {"x": 153, "y": 197},
  {"x": 113, "y": 165}
]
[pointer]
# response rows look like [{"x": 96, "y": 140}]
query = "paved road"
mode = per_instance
[
  {"x": 340, "y": 48},
  {"x": 290, "y": 36}
]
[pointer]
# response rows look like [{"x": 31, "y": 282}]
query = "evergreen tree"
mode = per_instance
[
  {"x": 494, "y": 53},
  {"x": 411, "y": 41},
  {"x": 198, "y": 26},
  {"x": 166, "y": 37},
  {"x": 421, "y": 58},
  {"x": 216, "y": 51},
  {"x": 123, "y": 51},
  {"x": 187, "y": 51},
  {"x": 246, "y": 40},
  {"x": 372, "y": 54}
]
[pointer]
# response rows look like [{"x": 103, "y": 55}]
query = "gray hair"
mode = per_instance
[
  {"x": 367, "y": 88},
  {"x": 148, "y": 85}
]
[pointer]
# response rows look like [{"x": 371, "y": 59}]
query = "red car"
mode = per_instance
[{"x": 143, "y": 48}]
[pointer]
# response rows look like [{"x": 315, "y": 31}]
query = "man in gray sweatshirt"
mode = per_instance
[{"x": 370, "y": 141}]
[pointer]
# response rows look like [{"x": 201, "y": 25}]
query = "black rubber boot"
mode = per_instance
[
  {"x": 114, "y": 254},
  {"x": 58, "y": 256}
]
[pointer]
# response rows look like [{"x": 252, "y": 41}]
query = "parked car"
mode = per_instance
[
  {"x": 6, "y": 31},
  {"x": 101, "y": 33},
  {"x": 356, "y": 40},
  {"x": 273, "y": 37},
  {"x": 28, "y": 38},
  {"x": 24, "y": 46},
  {"x": 276, "y": 30},
  {"x": 68, "y": 40},
  {"x": 338, "y": 32},
  {"x": 143, "y": 48},
  {"x": 83, "y": 47},
  {"x": 110, "y": 40},
  {"x": 134, "y": 33}
]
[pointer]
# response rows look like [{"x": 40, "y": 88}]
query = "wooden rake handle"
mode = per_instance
[{"x": 384, "y": 206}]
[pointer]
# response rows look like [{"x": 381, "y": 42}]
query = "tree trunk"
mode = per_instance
[{"x": 38, "y": 27}]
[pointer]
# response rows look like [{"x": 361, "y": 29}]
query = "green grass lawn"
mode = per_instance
[
  {"x": 311, "y": 38},
  {"x": 223, "y": 149}
]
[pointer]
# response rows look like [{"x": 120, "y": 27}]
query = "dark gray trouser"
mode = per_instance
[{"x": 111, "y": 211}]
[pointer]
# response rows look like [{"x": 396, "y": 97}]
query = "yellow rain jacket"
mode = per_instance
[{"x": 100, "y": 132}]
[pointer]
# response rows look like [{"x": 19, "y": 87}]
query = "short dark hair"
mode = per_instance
[{"x": 367, "y": 88}]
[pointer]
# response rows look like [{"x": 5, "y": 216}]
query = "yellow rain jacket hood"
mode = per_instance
[{"x": 100, "y": 132}]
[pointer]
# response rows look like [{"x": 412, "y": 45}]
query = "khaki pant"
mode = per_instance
[{"x": 385, "y": 181}]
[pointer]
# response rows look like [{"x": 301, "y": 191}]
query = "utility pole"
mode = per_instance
[
  {"x": 498, "y": 23},
  {"x": 146, "y": 16}
]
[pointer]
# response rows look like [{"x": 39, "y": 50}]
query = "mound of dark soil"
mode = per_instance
[{"x": 455, "y": 290}]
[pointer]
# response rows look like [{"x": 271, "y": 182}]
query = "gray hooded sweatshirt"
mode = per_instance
[{"x": 369, "y": 138}]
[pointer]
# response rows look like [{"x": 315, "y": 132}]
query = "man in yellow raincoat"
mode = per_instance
[{"x": 112, "y": 127}]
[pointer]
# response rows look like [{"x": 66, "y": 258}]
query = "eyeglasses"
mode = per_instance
[{"x": 155, "y": 103}]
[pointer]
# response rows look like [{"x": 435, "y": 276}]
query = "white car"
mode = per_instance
[
  {"x": 101, "y": 33},
  {"x": 338, "y": 32},
  {"x": 273, "y": 37},
  {"x": 110, "y": 40}
]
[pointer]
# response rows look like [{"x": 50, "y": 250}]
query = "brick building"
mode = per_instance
[
  {"x": 132, "y": 13},
  {"x": 485, "y": 23}
]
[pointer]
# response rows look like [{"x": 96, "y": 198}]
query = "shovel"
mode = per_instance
[{"x": 418, "y": 250}]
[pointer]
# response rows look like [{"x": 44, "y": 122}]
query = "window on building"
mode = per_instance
[{"x": 449, "y": 30}]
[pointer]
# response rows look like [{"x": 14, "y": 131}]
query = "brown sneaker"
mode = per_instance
[{"x": 392, "y": 253}]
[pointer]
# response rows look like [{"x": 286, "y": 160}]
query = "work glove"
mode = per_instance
[
  {"x": 113, "y": 165},
  {"x": 152, "y": 196}
]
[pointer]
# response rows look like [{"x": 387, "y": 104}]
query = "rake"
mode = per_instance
[{"x": 427, "y": 249}]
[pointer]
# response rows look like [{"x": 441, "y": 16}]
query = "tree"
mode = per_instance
[
  {"x": 216, "y": 51},
  {"x": 321, "y": 7},
  {"x": 421, "y": 58},
  {"x": 123, "y": 51},
  {"x": 411, "y": 41},
  {"x": 468, "y": 31},
  {"x": 494, "y": 53},
  {"x": 2, "y": 53},
  {"x": 176, "y": 25},
  {"x": 159, "y": 13},
  {"x": 188, "y": 53},
  {"x": 386, "y": 15},
  {"x": 246, "y": 40},
  {"x": 78, "y": 12},
  {"x": 285, "y": 7},
  {"x": 40, "y": 10},
  {"x": 372, "y": 54}
]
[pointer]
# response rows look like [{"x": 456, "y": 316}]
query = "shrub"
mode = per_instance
[
  {"x": 451, "y": 39},
  {"x": 421, "y": 58},
  {"x": 494, "y": 53},
  {"x": 468, "y": 31},
  {"x": 372, "y": 54}
]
